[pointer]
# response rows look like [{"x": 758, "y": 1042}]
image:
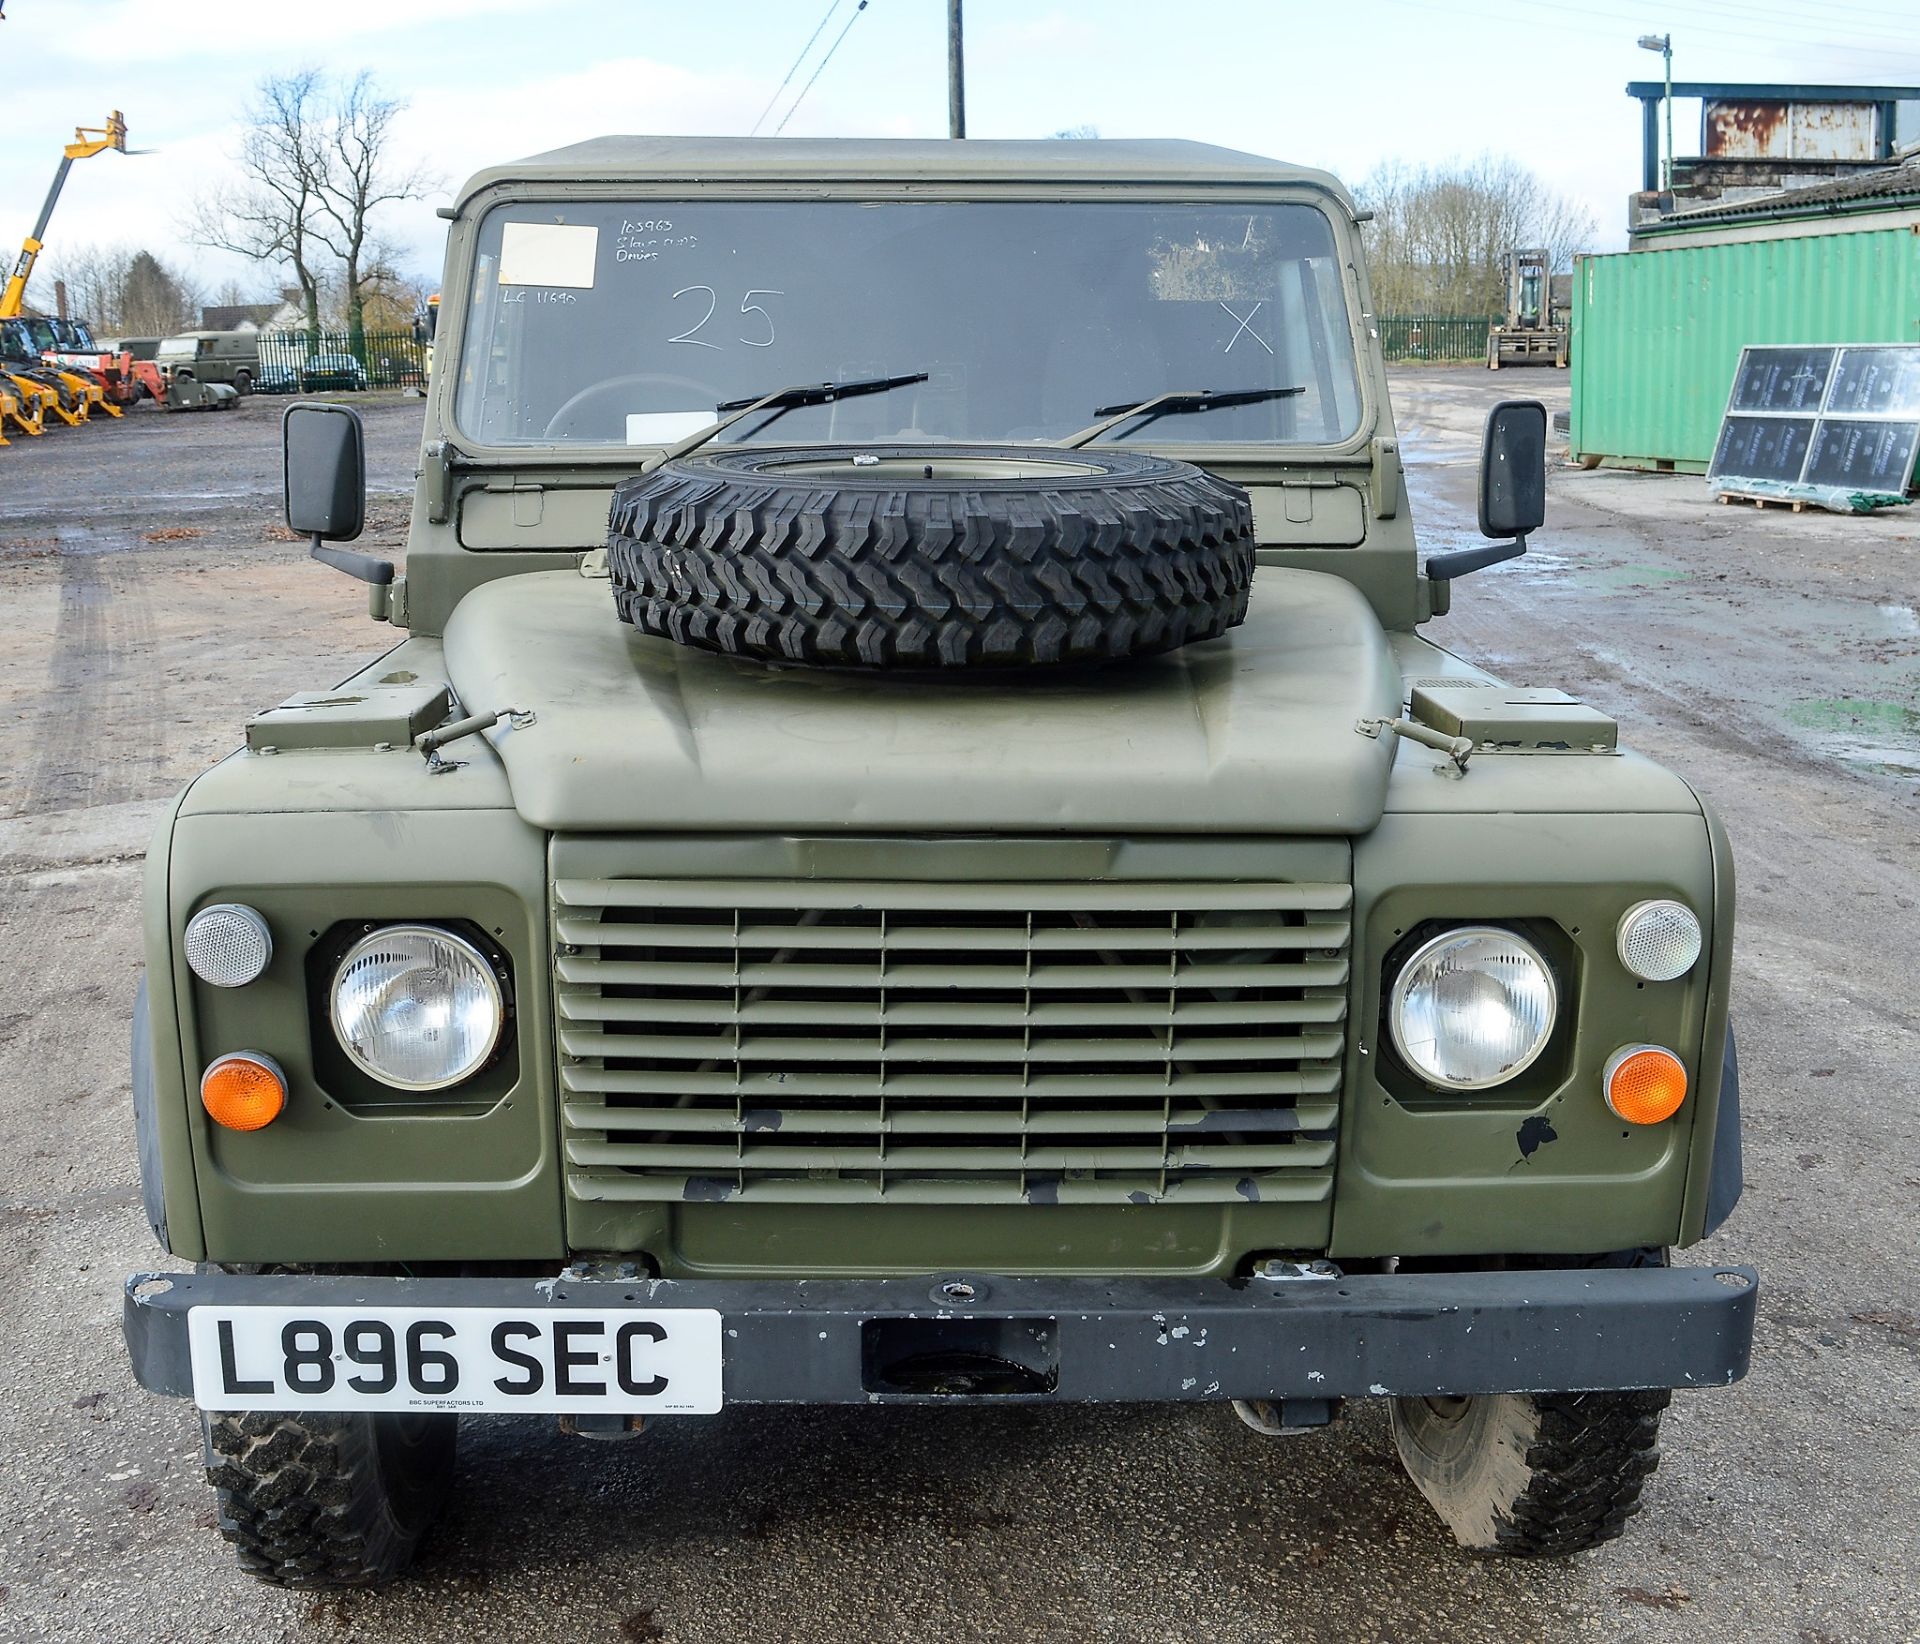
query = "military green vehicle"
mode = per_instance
[{"x": 914, "y": 850}]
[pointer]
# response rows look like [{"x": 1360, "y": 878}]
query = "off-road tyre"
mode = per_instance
[
  {"x": 930, "y": 557},
  {"x": 1532, "y": 1475},
  {"x": 328, "y": 1500}
]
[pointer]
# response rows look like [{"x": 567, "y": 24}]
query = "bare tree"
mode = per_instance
[
  {"x": 391, "y": 297},
  {"x": 233, "y": 293},
  {"x": 96, "y": 278},
  {"x": 124, "y": 292},
  {"x": 359, "y": 176},
  {"x": 271, "y": 216},
  {"x": 1440, "y": 234}
]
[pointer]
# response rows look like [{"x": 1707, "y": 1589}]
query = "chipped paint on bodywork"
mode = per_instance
[{"x": 1534, "y": 1134}]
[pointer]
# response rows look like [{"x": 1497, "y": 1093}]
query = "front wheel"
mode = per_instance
[
  {"x": 328, "y": 1500},
  {"x": 1532, "y": 1475}
]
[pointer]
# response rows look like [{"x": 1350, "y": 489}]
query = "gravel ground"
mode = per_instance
[{"x": 1773, "y": 659}]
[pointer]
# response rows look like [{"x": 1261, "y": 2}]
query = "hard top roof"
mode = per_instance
[{"x": 835, "y": 159}]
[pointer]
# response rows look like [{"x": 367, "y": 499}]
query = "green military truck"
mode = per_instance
[
  {"x": 230, "y": 357},
  {"x": 914, "y": 849}
]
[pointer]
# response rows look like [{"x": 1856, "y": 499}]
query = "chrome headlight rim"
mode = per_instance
[
  {"x": 487, "y": 969},
  {"x": 1655, "y": 907},
  {"x": 1403, "y": 984}
]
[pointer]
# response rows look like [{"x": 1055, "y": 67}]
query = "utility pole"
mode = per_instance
[
  {"x": 956, "y": 74},
  {"x": 1663, "y": 43},
  {"x": 1666, "y": 58}
]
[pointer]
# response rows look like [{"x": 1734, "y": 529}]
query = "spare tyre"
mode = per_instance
[{"x": 911, "y": 556}]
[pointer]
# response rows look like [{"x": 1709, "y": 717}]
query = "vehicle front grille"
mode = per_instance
[{"x": 837, "y": 1042}]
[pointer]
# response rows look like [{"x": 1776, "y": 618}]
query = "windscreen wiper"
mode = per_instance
[
  {"x": 779, "y": 402},
  {"x": 1174, "y": 404}
]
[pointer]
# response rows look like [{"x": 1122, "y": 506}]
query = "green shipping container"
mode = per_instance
[{"x": 1657, "y": 334}]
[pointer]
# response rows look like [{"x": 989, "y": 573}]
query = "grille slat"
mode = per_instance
[
  {"x": 676, "y": 973},
  {"x": 937, "y": 938},
  {"x": 822, "y": 1041},
  {"x": 920, "y": 1052},
  {"x": 922, "y": 1160},
  {"x": 765, "y": 1089},
  {"x": 592, "y": 1116},
  {"x": 1317, "y": 1006},
  {"x": 629, "y": 1187},
  {"x": 990, "y": 896}
]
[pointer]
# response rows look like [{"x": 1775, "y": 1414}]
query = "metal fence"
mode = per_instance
[
  {"x": 1434, "y": 336},
  {"x": 314, "y": 361}
]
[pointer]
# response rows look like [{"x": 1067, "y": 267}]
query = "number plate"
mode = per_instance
[{"x": 572, "y": 1361}]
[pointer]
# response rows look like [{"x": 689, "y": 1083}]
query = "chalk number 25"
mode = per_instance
[{"x": 747, "y": 306}]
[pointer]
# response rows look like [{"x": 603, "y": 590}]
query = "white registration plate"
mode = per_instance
[{"x": 570, "y": 1361}]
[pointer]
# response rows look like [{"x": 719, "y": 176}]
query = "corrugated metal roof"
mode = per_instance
[
  {"x": 806, "y": 159},
  {"x": 1895, "y": 185}
]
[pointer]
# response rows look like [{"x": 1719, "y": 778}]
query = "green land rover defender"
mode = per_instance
[{"x": 913, "y": 849}]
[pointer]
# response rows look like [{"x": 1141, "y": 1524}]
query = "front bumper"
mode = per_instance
[{"x": 1097, "y": 1340}]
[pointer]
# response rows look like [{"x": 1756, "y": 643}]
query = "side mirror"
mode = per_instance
[
  {"x": 324, "y": 455},
  {"x": 1513, "y": 469},
  {"x": 1513, "y": 488}
]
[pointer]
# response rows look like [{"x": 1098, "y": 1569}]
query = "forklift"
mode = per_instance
[{"x": 1535, "y": 330}]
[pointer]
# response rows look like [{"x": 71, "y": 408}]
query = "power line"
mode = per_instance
[
  {"x": 824, "y": 61},
  {"x": 1550, "y": 15},
  {"x": 1753, "y": 27},
  {"x": 831, "y": 9}
]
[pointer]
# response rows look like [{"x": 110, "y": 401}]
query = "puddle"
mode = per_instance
[
  {"x": 1866, "y": 732},
  {"x": 1900, "y": 619},
  {"x": 1842, "y": 713},
  {"x": 1634, "y": 576},
  {"x": 91, "y": 542}
]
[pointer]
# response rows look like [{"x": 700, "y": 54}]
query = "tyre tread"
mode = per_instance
[
  {"x": 939, "y": 576},
  {"x": 301, "y": 1500},
  {"x": 1589, "y": 1465}
]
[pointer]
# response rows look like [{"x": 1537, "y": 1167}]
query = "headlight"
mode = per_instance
[
  {"x": 416, "y": 1006},
  {"x": 1472, "y": 1008},
  {"x": 1659, "y": 940}
]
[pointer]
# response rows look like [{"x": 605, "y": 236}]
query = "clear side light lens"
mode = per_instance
[
  {"x": 416, "y": 1006},
  {"x": 1473, "y": 1008},
  {"x": 1659, "y": 941},
  {"x": 228, "y": 945}
]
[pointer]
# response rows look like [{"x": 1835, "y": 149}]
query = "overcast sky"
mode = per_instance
[{"x": 1342, "y": 85}]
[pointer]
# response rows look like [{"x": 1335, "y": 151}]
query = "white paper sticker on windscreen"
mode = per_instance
[
  {"x": 559, "y": 254},
  {"x": 664, "y": 427}
]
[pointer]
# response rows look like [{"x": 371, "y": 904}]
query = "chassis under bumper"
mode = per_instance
[{"x": 1096, "y": 1340}]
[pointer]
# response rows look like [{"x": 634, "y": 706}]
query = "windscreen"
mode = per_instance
[{"x": 628, "y": 324}]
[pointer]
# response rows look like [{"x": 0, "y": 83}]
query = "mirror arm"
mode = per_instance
[
  {"x": 1445, "y": 567},
  {"x": 364, "y": 566}
]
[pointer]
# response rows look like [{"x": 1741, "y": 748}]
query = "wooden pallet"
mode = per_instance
[{"x": 1798, "y": 504}]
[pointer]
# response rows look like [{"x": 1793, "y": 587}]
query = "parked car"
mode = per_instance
[
  {"x": 276, "y": 379},
  {"x": 319, "y": 371}
]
